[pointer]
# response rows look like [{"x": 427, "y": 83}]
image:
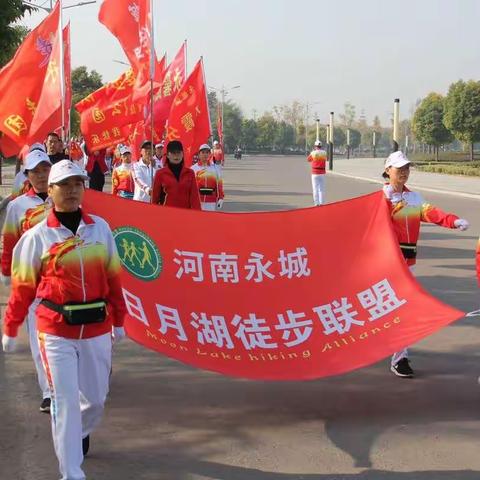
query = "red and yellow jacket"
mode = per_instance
[
  {"x": 317, "y": 159},
  {"x": 218, "y": 155},
  {"x": 408, "y": 210},
  {"x": 51, "y": 263},
  {"x": 122, "y": 179},
  {"x": 22, "y": 214},
  {"x": 20, "y": 185},
  {"x": 209, "y": 182},
  {"x": 478, "y": 262},
  {"x": 169, "y": 191}
]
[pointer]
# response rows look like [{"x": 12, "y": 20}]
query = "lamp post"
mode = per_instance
[
  {"x": 348, "y": 143},
  {"x": 50, "y": 8},
  {"x": 224, "y": 91},
  {"x": 374, "y": 143},
  {"x": 396, "y": 124},
  {"x": 330, "y": 143}
]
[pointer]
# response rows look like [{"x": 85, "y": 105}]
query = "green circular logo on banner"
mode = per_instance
[{"x": 138, "y": 253}]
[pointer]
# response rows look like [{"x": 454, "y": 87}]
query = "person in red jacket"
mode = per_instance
[
  {"x": 317, "y": 159},
  {"x": 175, "y": 185},
  {"x": 97, "y": 168},
  {"x": 217, "y": 154},
  {"x": 69, "y": 261},
  {"x": 408, "y": 209}
]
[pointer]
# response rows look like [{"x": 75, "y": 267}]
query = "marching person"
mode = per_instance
[
  {"x": 96, "y": 168},
  {"x": 143, "y": 173},
  {"x": 69, "y": 261},
  {"x": 318, "y": 159},
  {"x": 21, "y": 184},
  {"x": 55, "y": 148},
  {"x": 122, "y": 178},
  {"x": 217, "y": 153},
  {"x": 408, "y": 209},
  {"x": 23, "y": 213},
  {"x": 159, "y": 154},
  {"x": 209, "y": 181},
  {"x": 175, "y": 184}
]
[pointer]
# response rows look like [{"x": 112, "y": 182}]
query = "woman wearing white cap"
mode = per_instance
[
  {"x": 122, "y": 175},
  {"x": 318, "y": 159},
  {"x": 23, "y": 213},
  {"x": 69, "y": 261},
  {"x": 209, "y": 180},
  {"x": 408, "y": 210}
]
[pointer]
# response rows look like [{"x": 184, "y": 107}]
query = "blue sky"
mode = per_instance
[{"x": 366, "y": 52}]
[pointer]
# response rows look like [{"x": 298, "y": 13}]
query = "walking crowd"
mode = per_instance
[{"x": 64, "y": 270}]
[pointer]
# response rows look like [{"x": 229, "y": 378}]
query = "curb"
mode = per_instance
[{"x": 413, "y": 184}]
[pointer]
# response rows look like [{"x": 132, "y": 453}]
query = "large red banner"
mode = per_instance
[{"x": 288, "y": 295}]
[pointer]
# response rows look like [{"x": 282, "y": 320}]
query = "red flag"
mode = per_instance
[
  {"x": 130, "y": 22},
  {"x": 48, "y": 114},
  {"x": 104, "y": 112},
  {"x": 172, "y": 82},
  {"x": 189, "y": 119},
  {"x": 21, "y": 83}
]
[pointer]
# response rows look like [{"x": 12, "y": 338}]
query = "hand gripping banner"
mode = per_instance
[{"x": 290, "y": 295}]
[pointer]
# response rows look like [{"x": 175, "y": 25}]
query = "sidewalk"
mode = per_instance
[{"x": 370, "y": 169}]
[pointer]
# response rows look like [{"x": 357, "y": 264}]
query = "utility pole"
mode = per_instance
[
  {"x": 348, "y": 143},
  {"x": 374, "y": 143},
  {"x": 396, "y": 124},
  {"x": 330, "y": 143}
]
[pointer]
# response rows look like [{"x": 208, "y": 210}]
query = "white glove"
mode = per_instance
[
  {"x": 9, "y": 344},
  {"x": 220, "y": 204},
  {"x": 461, "y": 224},
  {"x": 118, "y": 334},
  {"x": 394, "y": 197},
  {"x": 5, "y": 280}
]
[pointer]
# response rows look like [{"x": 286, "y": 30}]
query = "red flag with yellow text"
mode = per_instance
[
  {"x": 129, "y": 21},
  {"x": 290, "y": 295},
  {"x": 189, "y": 119},
  {"x": 21, "y": 83}
]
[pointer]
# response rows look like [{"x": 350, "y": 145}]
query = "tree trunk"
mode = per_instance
[
  {"x": 471, "y": 152},
  {"x": 436, "y": 152}
]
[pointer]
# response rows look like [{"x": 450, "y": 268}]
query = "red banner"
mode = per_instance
[
  {"x": 290, "y": 295},
  {"x": 189, "y": 119}
]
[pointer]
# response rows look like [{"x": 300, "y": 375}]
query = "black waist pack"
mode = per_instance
[
  {"x": 206, "y": 191},
  {"x": 76, "y": 313},
  {"x": 409, "y": 250}
]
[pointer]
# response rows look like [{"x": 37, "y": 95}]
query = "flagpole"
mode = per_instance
[
  {"x": 152, "y": 74},
  {"x": 62, "y": 68},
  {"x": 206, "y": 95}
]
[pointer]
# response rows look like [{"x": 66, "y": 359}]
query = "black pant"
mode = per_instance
[{"x": 97, "y": 178}]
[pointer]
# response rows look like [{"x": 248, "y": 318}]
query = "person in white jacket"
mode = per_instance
[{"x": 143, "y": 173}]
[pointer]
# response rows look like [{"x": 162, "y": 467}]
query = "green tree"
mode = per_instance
[
  {"x": 267, "y": 127},
  {"x": 249, "y": 134},
  {"x": 232, "y": 125},
  {"x": 428, "y": 124},
  {"x": 355, "y": 138},
  {"x": 339, "y": 137},
  {"x": 462, "y": 112},
  {"x": 11, "y": 35},
  {"x": 284, "y": 136},
  {"x": 348, "y": 116},
  {"x": 83, "y": 84}
]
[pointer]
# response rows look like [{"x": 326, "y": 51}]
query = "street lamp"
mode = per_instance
[
  {"x": 224, "y": 91},
  {"x": 50, "y": 8},
  {"x": 121, "y": 63}
]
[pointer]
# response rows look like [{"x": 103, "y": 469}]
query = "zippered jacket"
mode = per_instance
[
  {"x": 142, "y": 176},
  {"x": 169, "y": 191},
  {"x": 317, "y": 159},
  {"x": 209, "y": 182},
  {"x": 408, "y": 209},
  {"x": 122, "y": 179},
  {"x": 23, "y": 213},
  {"x": 51, "y": 263}
]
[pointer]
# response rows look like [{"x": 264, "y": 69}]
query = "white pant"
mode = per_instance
[
  {"x": 209, "y": 206},
  {"x": 78, "y": 374},
  {"x": 397, "y": 356},
  {"x": 318, "y": 185},
  {"x": 37, "y": 358}
]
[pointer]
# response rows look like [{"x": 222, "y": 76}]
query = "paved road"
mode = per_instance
[{"x": 168, "y": 421}]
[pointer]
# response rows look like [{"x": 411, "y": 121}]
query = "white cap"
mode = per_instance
[
  {"x": 159, "y": 145},
  {"x": 204, "y": 146},
  {"x": 318, "y": 143},
  {"x": 34, "y": 158},
  {"x": 123, "y": 149},
  {"x": 65, "y": 169},
  {"x": 397, "y": 160},
  {"x": 37, "y": 146},
  {"x": 215, "y": 142}
]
